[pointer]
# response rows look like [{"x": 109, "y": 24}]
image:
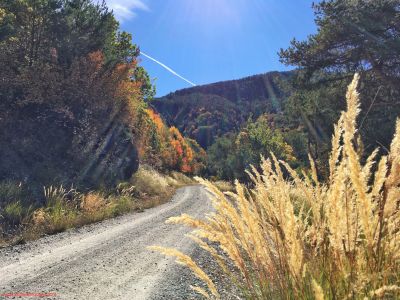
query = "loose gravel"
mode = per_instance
[{"x": 109, "y": 260}]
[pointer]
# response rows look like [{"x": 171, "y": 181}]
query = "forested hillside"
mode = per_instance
[
  {"x": 73, "y": 98},
  {"x": 300, "y": 107},
  {"x": 329, "y": 230},
  {"x": 301, "y": 168},
  {"x": 209, "y": 111},
  {"x": 74, "y": 113}
]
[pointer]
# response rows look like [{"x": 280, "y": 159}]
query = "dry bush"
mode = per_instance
[
  {"x": 300, "y": 238},
  {"x": 224, "y": 186},
  {"x": 148, "y": 181},
  {"x": 95, "y": 207},
  {"x": 92, "y": 202},
  {"x": 181, "y": 178},
  {"x": 60, "y": 212},
  {"x": 39, "y": 217}
]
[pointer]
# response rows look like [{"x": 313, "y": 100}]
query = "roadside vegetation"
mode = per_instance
[
  {"x": 65, "y": 208},
  {"x": 295, "y": 237},
  {"x": 76, "y": 121},
  {"x": 316, "y": 215},
  {"x": 83, "y": 140},
  {"x": 300, "y": 106}
]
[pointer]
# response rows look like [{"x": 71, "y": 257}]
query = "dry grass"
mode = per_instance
[
  {"x": 181, "y": 178},
  {"x": 154, "y": 188},
  {"x": 149, "y": 182},
  {"x": 224, "y": 186},
  {"x": 92, "y": 202},
  {"x": 299, "y": 238},
  {"x": 66, "y": 209}
]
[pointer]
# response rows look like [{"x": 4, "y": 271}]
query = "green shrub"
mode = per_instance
[
  {"x": 11, "y": 191},
  {"x": 13, "y": 213},
  {"x": 122, "y": 204}
]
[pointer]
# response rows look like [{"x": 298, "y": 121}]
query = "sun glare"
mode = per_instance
[{"x": 213, "y": 12}]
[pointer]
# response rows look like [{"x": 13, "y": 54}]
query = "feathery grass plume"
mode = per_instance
[
  {"x": 318, "y": 292},
  {"x": 54, "y": 195},
  {"x": 282, "y": 233},
  {"x": 187, "y": 261},
  {"x": 200, "y": 291},
  {"x": 336, "y": 146},
  {"x": 392, "y": 290}
]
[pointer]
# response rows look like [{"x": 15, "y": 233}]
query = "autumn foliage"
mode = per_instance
[
  {"x": 74, "y": 103},
  {"x": 176, "y": 152}
]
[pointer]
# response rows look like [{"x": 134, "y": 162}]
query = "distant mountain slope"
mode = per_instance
[{"x": 207, "y": 111}]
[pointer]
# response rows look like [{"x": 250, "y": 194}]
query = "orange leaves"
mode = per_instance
[
  {"x": 115, "y": 89},
  {"x": 156, "y": 120},
  {"x": 96, "y": 58},
  {"x": 183, "y": 150},
  {"x": 174, "y": 150}
]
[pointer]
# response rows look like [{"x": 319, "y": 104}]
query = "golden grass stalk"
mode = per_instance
[
  {"x": 187, "y": 261},
  {"x": 318, "y": 292},
  {"x": 284, "y": 233}
]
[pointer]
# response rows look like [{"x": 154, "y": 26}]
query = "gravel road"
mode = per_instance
[{"x": 109, "y": 260}]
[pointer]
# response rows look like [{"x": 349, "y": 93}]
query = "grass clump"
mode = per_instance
[
  {"x": 154, "y": 188},
  {"x": 13, "y": 212},
  {"x": 300, "y": 238},
  {"x": 148, "y": 181},
  {"x": 14, "y": 209},
  {"x": 224, "y": 186},
  {"x": 63, "y": 208},
  {"x": 60, "y": 211}
]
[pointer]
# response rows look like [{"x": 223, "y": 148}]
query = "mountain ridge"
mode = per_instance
[{"x": 208, "y": 111}]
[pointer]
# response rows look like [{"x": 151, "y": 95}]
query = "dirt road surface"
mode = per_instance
[{"x": 108, "y": 260}]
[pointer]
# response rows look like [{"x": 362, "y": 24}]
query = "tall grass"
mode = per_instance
[
  {"x": 61, "y": 208},
  {"x": 60, "y": 211},
  {"x": 300, "y": 238},
  {"x": 14, "y": 210}
]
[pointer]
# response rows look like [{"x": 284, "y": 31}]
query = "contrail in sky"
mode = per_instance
[{"x": 167, "y": 68}]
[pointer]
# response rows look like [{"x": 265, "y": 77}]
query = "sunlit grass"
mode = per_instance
[
  {"x": 67, "y": 208},
  {"x": 299, "y": 238}
]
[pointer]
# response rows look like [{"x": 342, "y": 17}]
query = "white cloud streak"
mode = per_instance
[
  {"x": 126, "y": 9},
  {"x": 167, "y": 68}
]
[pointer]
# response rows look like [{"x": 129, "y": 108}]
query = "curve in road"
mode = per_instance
[{"x": 107, "y": 260}]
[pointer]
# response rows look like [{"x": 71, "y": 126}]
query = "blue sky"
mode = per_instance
[{"x": 206, "y": 41}]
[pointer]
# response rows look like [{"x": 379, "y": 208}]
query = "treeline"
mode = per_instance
[
  {"x": 352, "y": 36},
  {"x": 74, "y": 101},
  {"x": 207, "y": 112},
  {"x": 301, "y": 106},
  {"x": 75, "y": 120}
]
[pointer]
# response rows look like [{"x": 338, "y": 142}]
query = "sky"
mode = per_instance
[{"x": 194, "y": 42}]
